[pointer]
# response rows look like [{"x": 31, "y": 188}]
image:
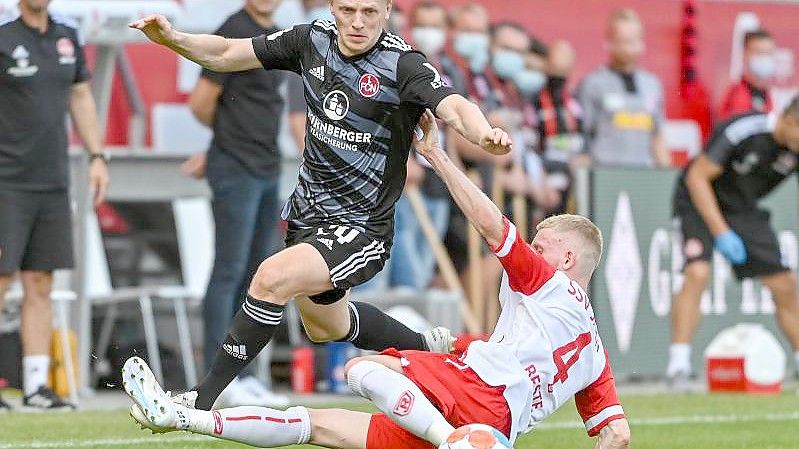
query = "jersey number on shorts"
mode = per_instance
[
  {"x": 574, "y": 348},
  {"x": 345, "y": 234}
]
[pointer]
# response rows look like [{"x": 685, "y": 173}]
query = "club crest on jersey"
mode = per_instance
[
  {"x": 336, "y": 105},
  {"x": 368, "y": 85},
  {"x": 66, "y": 51}
]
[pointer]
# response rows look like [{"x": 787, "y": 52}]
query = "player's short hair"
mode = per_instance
[
  {"x": 760, "y": 33},
  {"x": 581, "y": 226},
  {"x": 623, "y": 15},
  {"x": 793, "y": 108}
]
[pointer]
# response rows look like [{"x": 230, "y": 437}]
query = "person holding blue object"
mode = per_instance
[{"x": 716, "y": 205}]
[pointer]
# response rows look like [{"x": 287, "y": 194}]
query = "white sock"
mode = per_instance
[
  {"x": 256, "y": 426},
  {"x": 679, "y": 359},
  {"x": 35, "y": 369},
  {"x": 400, "y": 399}
]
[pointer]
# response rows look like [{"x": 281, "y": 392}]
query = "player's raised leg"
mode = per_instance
[
  {"x": 380, "y": 379},
  {"x": 301, "y": 271},
  {"x": 297, "y": 270},
  {"x": 367, "y": 327}
]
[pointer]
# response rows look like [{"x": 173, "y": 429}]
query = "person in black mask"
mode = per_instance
[{"x": 560, "y": 141}]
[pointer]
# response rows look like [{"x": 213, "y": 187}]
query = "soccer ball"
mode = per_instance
[{"x": 476, "y": 436}]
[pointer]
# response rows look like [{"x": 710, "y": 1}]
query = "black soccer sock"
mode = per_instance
[
  {"x": 373, "y": 330},
  {"x": 250, "y": 330}
]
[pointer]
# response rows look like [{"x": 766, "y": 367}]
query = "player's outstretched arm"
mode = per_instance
[
  {"x": 212, "y": 52},
  {"x": 615, "y": 435},
  {"x": 476, "y": 206},
  {"x": 468, "y": 120}
]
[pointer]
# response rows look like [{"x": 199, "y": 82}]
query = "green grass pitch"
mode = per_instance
[{"x": 658, "y": 422}]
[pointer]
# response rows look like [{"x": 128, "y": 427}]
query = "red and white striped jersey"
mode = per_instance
[{"x": 546, "y": 347}]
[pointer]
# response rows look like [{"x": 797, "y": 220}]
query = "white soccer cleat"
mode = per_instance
[
  {"x": 187, "y": 399},
  {"x": 138, "y": 416},
  {"x": 155, "y": 405},
  {"x": 439, "y": 339}
]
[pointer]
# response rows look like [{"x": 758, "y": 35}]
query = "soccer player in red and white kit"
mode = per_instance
[{"x": 544, "y": 350}]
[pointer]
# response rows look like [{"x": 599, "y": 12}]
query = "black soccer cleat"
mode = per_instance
[{"x": 44, "y": 399}]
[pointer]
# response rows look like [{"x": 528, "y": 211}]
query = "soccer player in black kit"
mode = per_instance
[
  {"x": 366, "y": 90},
  {"x": 716, "y": 203}
]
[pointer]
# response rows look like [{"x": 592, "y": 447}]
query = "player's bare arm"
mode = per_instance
[
  {"x": 212, "y": 52},
  {"x": 468, "y": 120},
  {"x": 616, "y": 435},
  {"x": 698, "y": 180},
  {"x": 478, "y": 208}
]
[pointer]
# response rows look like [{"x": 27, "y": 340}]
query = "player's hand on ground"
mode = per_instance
[
  {"x": 156, "y": 27},
  {"x": 496, "y": 141},
  {"x": 731, "y": 246},
  {"x": 426, "y": 144},
  {"x": 98, "y": 180},
  {"x": 195, "y": 165}
]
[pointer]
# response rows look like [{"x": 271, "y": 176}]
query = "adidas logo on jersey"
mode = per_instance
[
  {"x": 318, "y": 72},
  {"x": 237, "y": 351}
]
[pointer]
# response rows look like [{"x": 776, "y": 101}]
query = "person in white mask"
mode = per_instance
[
  {"x": 412, "y": 262},
  {"x": 750, "y": 94}
]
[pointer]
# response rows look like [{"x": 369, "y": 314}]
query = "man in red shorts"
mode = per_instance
[{"x": 544, "y": 350}]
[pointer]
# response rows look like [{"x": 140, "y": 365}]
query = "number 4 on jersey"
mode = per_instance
[{"x": 574, "y": 348}]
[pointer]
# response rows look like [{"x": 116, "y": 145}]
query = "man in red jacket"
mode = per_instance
[{"x": 750, "y": 94}]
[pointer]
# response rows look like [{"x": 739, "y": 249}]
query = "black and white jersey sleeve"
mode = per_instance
[
  {"x": 282, "y": 49},
  {"x": 420, "y": 82}
]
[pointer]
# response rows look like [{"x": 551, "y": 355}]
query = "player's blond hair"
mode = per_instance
[{"x": 584, "y": 229}]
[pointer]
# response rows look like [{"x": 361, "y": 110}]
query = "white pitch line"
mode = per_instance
[
  {"x": 665, "y": 421},
  {"x": 106, "y": 442},
  {"x": 676, "y": 420}
]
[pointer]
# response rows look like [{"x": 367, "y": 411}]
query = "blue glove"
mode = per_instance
[{"x": 731, "y": 246}]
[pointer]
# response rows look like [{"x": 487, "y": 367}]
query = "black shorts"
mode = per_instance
[
  {"x": 762, "y": 247},
  {"x": 35, "y": 231},
  {"x": 353, "y": 257}
]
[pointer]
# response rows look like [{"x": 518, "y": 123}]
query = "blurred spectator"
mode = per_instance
[
  {"x": 559, "y": 122},
  {"x": 470, "y": 45},
  {"x": 396, "y": 20},
  {"x": 43, "y": 74},
  {"x": 622, "y": 104},
  {"x": 243, "y": 170},
  {"x": 750, "y": 94},
  {"x": 412, "y": 261},
  {"x": 468, "y": 49},
  {"x": 516, "y": 83}
]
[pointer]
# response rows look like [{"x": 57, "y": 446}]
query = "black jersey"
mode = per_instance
[
  {"x": 37, "y": 73},
  {"x": 753, "y": 162},
  {"x": 362, "y": 111},
  {"x": 247, "y": 97}
]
